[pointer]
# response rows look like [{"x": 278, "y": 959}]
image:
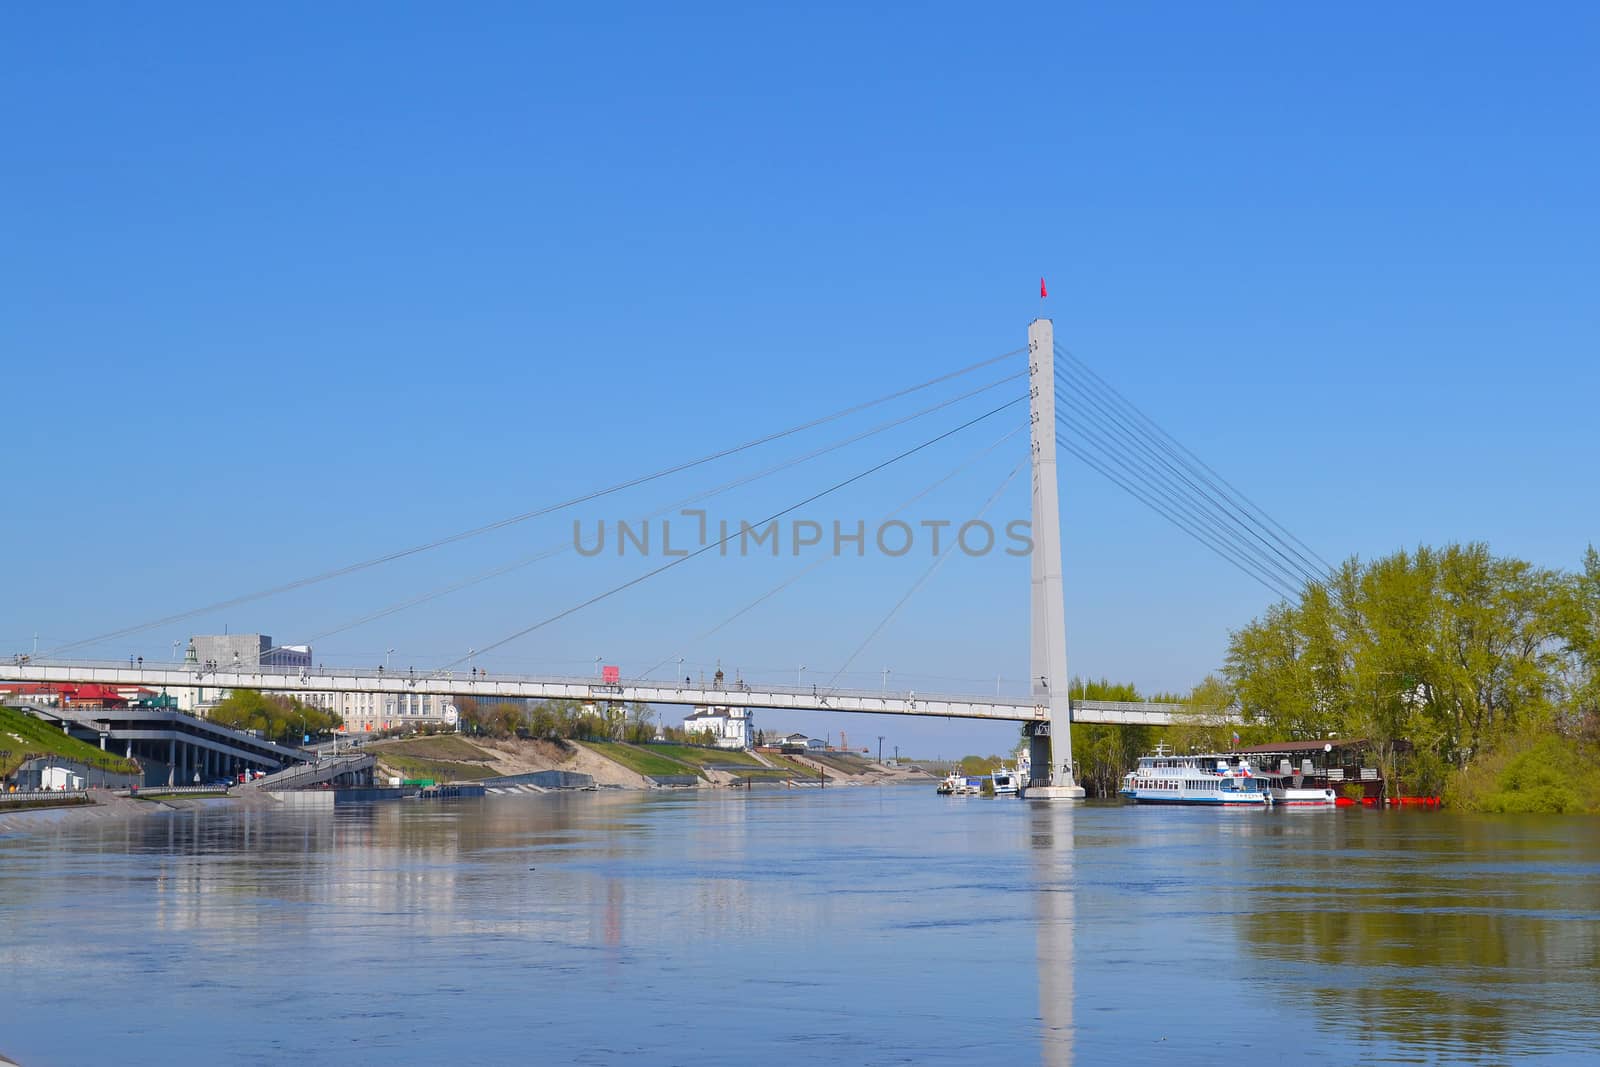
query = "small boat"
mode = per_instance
[
  {"x": 1286, "y": 794},
  {"x": 1210, "y": 779},
  {"x": 959, "y": 785},
  {"x": 1006, "y": 783}
]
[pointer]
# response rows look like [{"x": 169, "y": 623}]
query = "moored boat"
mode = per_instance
[
  {"x": 1287, "y": 795},
  {"x": 1305, "y": 771},
  {"x": 1204, "y": 779},
  {"x": 959, "y": 785}
]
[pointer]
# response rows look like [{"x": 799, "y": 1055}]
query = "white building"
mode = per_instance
[
  {"x": 364, "y": 713},
  {"x": 791, "y": 742},
  {"x": 729, "y": 727}
]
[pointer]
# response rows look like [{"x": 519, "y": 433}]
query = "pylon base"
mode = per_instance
[{"x": 1054, "y": 792}]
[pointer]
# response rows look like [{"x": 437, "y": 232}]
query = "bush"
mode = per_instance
[{"x": 1547, "y": 774}]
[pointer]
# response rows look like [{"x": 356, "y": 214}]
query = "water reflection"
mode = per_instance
[
  {"x": 1051, "y": 839},
  {"x": 1454, "y": 936},
  {"x": 859, "y": 926}
]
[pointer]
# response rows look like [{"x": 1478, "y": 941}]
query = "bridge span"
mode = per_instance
[{"x": 588, "y": 690}]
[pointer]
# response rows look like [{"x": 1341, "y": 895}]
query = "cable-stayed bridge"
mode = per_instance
[{"x": 1069, "y": 407}]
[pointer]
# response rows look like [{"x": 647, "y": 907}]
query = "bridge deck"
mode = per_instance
[{"x": 446, "y": 683}]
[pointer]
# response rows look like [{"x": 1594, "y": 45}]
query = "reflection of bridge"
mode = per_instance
[{"x": 169, "y": 677}]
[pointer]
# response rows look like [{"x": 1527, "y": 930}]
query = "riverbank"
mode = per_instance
[
  {"x": 452, "y": 758},
  {"x": 619, "y": 765}
]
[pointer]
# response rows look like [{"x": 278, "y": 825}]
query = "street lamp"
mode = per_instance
[
  {"x": 597, "y": 661},
  {"x": 797, "y": 676},
  {"x": 880, "y": 748},
  {"x": 885, "y": 680},
  {"x": 470, "y": 653},
  {"x": 386, "y": 656}
]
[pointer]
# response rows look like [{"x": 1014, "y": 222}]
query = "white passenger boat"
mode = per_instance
[
  {"x": 1212, "y": 779},
  {"x": 1006, "y": 783}
]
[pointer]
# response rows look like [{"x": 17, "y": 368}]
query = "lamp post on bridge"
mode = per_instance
[
  {"x": 885, "y": 685},
  {"x": 798, "y": 675},
  {"x": 386, "y": 655}
]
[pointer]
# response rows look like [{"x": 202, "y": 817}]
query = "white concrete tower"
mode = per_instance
[{"x": 1050, "y": 747}]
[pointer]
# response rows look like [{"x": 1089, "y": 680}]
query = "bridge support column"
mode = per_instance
[{"x": 1050, "y": 742}]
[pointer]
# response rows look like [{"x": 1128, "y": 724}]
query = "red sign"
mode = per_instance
[{"x": 610, "y": 675}]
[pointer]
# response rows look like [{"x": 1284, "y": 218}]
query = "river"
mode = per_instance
[{"x": 880, "y": 926}]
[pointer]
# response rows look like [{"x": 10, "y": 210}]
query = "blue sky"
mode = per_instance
[{"x": 289, "y": 288}]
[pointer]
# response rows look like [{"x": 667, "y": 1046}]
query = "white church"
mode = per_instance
[{"x": 729, "y": 727}]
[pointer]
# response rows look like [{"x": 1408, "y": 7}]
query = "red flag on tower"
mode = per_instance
[{"x": 1042, "y": 292}]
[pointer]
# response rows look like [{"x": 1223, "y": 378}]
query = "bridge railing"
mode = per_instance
[
  {"x": 23, "y": 797},
  {"x": 465, "y": 684},
  {"x": 306, "y": 677}
]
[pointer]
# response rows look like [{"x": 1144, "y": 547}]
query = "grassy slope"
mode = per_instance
[
  {"x": 790, "y": 767},
  {"x": 641, "y": 759},
  {"x": 700, "y": 757},
  {"x": 23, "y": 735},
  {"x": 443, "y": 747},
  {"x": 438, "y": 770},
  {"x": 843, "y": 764},
  {"x": 445, "y": 758}
]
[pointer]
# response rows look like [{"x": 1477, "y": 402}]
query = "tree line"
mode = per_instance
[
  {"x": 556, "y": 720},
  {"x": 1470, "y": 658}
]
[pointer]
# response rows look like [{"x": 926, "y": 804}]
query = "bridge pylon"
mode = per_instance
[{"x": 1050, "y": 740}]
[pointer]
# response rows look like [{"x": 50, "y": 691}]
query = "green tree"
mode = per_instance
[
  {"x": 1104, "y": 753},
  {"x": 1453, "y": 649},
  {"x": 1580, "y": 636},
  {"x": 278, "y": 718},
  {"x": 640, "y": 726},
  {"x": 1206, "y": 724},
  {"x": 977, "y": 765}
]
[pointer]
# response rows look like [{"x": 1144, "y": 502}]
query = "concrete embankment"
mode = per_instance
[
  {"x": 108, "y": 806},
  {"x": 105, "y": 806}
]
